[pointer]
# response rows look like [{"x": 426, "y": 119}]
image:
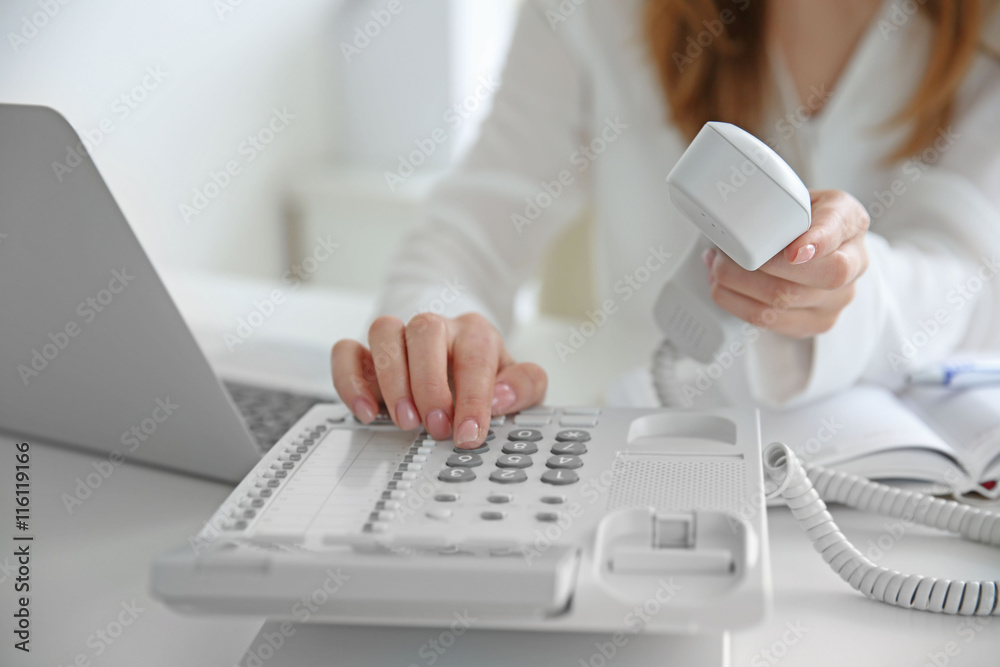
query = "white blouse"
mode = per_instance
[{"x": 580, "y": 121}]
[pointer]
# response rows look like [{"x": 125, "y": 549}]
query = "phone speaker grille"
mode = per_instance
[{"x": 678, "y": 484}]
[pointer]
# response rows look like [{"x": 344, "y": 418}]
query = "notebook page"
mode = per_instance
[
  {"x": 969, "y": 419},
  {"x": 854, "y": 423}
]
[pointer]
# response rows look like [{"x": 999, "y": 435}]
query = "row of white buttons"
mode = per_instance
[{"x": 542, "y": 420}]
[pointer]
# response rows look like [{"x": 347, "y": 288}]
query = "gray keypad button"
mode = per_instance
[
  {"x": 481, "y": 449},
  {"x": 499, "y": 498},
  {"x": 508, "y": 476},
  {"x": 560, "y": 477},
  {"x": 564, "y": 462},
  {"x": 573, "y": 435},
  {"x": 492, "y": 516},
  {"x": 446, "y": 497},
  {"x": 491, "y": 435},
  {"x": 570, "y": 448},
  {"x": 529, "y": 434},
  {"x": 520, "y": 447},
  {"x": 456, "y": 475},
  {"x": 464, "y": 461},
  {"x": 547, "y": 517},
  {"x": 514, "y": 461},
  {"x": 439, "y": 514},
  {"x": 553, "y": 500},
  {"x": 581, "y": 410}
]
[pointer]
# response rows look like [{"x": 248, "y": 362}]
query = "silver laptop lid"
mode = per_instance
[{"x": 93, "y": 351}]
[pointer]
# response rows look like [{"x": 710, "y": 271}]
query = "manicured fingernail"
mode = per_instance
[
  {"x": 363, "y": 409},
  {"x": 708, "y": 257},
  {"x": 503, "y": 398},
  {"x": 406, "y": 414},
  {"x": 804, "y": 254},
  {"x": 438, "y": 424},
  {"x": 467, "y": 432}
]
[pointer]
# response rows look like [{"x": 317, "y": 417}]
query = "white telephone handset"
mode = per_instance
[{"x": 748, "y": 202}]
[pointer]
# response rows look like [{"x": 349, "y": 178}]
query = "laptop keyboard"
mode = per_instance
[{"x": 269, "y": 413}]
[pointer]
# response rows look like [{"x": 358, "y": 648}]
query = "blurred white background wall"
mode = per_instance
[{"x": 305, "y": 99}]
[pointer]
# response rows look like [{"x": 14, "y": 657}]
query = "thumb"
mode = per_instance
[{"x": 519, "y": 386}]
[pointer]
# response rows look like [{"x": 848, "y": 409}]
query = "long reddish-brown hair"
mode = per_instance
[{"x": 726, "y": 78}]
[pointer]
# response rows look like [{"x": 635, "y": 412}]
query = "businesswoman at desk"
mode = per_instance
[{"x": 888, "y": 111}]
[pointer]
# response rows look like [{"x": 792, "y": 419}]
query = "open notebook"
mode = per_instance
[{"x": 939, "y": 439}]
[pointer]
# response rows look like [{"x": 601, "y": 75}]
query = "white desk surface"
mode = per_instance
[{"x": 85, "y": 566}]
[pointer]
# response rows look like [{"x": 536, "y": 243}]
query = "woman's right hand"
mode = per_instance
[{"x": 436, "y": 371}]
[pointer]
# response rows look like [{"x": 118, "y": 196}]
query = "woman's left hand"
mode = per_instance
[{"x": 801, "y": 291}]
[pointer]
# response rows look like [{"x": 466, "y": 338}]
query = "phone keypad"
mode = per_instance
[
  {"x": 521, "y": 447},
  {"x": 464, "y": 461},
  {"x": 560, "y": 477},
  {"x": 569, "y": 448},
  {"x": 508, "y": 476},
  {"x": 504, "y": 460},
  {"x": 568, "y": 462},
  {"x": 514, "y": 461}
]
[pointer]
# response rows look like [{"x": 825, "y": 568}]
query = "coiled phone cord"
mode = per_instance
[{"x": 804, "y": 488}]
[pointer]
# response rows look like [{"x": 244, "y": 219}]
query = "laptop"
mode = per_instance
[{"x": 93, "y": 351}]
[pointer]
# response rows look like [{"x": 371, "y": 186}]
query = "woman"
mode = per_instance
[{"x": 887, "y": 109}]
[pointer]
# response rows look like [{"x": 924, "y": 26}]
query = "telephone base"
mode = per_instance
[{"x": 320, "y": 645}]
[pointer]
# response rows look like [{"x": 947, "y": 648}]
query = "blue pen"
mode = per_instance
[{"x": 960, "y": 374}]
